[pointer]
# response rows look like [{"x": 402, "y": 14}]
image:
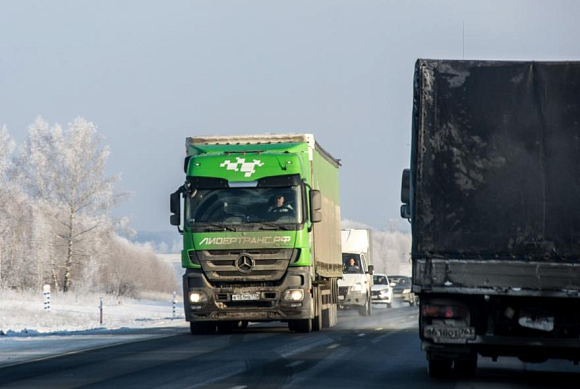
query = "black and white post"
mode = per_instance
[
  {"x": 173, "y": 301},
  {"x": 46, "y": 292},
  {"x": 101, "y": 312}
]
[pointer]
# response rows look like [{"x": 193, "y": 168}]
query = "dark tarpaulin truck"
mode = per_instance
[{"x": 493, "y": 196}]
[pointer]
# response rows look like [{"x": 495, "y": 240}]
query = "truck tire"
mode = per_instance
[
  {"x": 367, "y": 309},
  {"x": 303, "y": 325},
  {"x": 440, "y": 368},
  {"x": 330, "y": 316},
  {"x": 465, "y": 367},
  {"x": 317, "y": 320},
  {"x": 317, "y": 323},
  {"x": 201, "y": 328},
  {"x": 226, "y": 327}
]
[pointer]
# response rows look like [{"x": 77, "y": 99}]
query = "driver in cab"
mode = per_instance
[
  {"x": 351, "y": 266},
  {"x": 280, "y": 206}
]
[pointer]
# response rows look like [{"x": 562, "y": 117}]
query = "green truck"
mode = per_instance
[{"x": 261, "y": 232}]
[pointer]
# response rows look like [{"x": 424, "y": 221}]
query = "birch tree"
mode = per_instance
[
  {"x": 6, "y": 149},
  {"x": 65, "y": 171}
]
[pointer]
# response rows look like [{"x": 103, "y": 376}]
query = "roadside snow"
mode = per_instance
[{"x": 27, "y": 331}]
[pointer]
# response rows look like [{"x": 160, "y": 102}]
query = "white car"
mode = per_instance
[{"x": 382, "y": 293}]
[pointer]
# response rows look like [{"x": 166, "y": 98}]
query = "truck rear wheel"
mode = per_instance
[
  {"x": 201, "y": 328},
  {"x": 465, "y": 367},
  {"x": 439, "y": 368}
]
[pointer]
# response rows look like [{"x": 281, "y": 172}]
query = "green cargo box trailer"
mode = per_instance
[{"x": 261, "y": 232}]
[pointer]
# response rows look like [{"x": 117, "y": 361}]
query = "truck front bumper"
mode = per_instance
[
  {"x": 352, "y": 299},
  {"x": 264, "y": 303}
]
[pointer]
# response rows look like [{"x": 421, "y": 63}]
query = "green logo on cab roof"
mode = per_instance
[{"x": 248, "y": 168}]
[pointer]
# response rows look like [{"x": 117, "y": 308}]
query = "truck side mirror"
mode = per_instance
[
  {"x": 175, "y": 208},
  {"x": 371, "y": 270},
  {"x": 315, "y": 206},
  {"x": 406, "y": 187},
  {"x": 186, "y": 163},
  {"x": 406, "y": 211}
]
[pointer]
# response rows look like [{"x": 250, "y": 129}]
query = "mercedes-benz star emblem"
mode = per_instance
[{"x": 245, "y": 263}]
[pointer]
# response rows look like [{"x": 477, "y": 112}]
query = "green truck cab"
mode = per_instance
[{"x": 261, "y": 232}]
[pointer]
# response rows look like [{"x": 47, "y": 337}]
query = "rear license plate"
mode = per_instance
[
  {"x": 341, "y": 298},
  {"x": 246, "y": 296},
  {"x": 459, "y": 333}
]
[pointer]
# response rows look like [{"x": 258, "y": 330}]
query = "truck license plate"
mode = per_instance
[
  {"x": 460, "y": 333},
  {"x": 246, "y": 296}
]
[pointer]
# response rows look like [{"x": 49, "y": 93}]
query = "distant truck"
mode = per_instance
[
  {"x": 355, "y": 286},
  {"x": 261, "y": 232},
  {"x": 493, "y": 195}
]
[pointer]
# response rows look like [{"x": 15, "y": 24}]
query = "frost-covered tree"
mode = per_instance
[
  {"x": 64, "y": 170},
  {"x": 6, "y": 149}
]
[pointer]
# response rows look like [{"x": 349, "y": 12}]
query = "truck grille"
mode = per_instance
[
  {"x": 266, "y": 265},
  {"x": 343, "y": 291}
]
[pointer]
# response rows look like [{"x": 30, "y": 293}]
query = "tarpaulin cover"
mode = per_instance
[{"x": 496, "y": 160}]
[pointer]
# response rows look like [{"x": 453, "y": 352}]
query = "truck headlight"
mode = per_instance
[
  {"x": 406, "y": 291},
  {"x": 294, "y": 295},
  {"x": 356, "y": 287},
  {"x": 384, "y": 292},
  {"x": 197, "y": 297}
]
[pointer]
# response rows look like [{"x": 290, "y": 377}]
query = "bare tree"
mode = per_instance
[{"x": 65, "y": 171}]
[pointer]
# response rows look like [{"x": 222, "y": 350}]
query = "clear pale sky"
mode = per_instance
[{"x": 150, "y": 73}]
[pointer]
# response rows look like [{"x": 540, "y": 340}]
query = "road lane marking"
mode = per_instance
[
  {"x": 295, "y": 363},
  {"x": 336, "y": 358},
  {"x": 239, "y": 387},
  {"x": 379, "y": 329},
  {"x": 383, "y": 337},
  {"x": 361, "y": 334},
  {"x": 297, "y": 350},
  {"x": 333, "y": 346}
]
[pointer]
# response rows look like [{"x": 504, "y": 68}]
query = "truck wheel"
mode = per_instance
[
  {"x": 465, "y": 367},
  {"x": 201, "y": 328},
  {"x": 292, "y": 325},
  {"x": 303, "y": 325},
  {"x": 366, "y": 310},
  {"x": 330, "y": 316},
  {"x": 439, "y": 368},
  {"x": 317, "y": 320},
  {"x": 225, "y": 327},
  {"x": 389, "y": 305},
  {"x": 243, "y": 325},
  {"x": 317, "y": 323}
]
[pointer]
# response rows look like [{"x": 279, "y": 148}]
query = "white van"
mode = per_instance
[{"x": 354, "y": 290}]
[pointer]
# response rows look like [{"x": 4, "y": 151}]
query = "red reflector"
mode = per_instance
[{"x": 444, "y": 311}]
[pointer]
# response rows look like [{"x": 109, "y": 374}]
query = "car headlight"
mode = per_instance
[
  {"x": 384, "y": 292},
  {"x": 407, "y": 291},
  {"x": 197, "y": 297},
  {"x": 294, "y": 295},
  {"x": 356, "y": 287}
]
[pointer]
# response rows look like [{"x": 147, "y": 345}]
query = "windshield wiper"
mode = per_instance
[
  {"x": 219, "y": 227},
  {"x": 272, "y": 226}
]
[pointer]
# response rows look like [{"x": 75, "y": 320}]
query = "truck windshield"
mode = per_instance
[{"x": 240, "y": 209}]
